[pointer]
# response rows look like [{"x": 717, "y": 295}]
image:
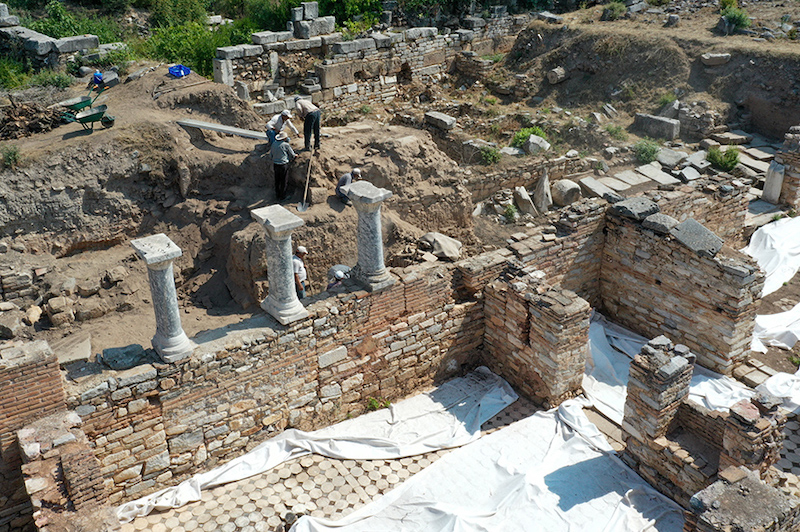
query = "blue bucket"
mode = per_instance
[{"x": 179, "y": 71}]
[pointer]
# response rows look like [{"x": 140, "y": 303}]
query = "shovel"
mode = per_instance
[{"x": 303, "y": 205}]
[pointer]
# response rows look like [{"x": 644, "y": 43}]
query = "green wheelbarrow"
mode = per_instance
[
  {"x": 78, "y": 103},
  {"x": 88, "y": 117}
]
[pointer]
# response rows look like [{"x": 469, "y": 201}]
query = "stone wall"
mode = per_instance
[
  {"x": 30, "y": 388},
  {"x": 655, "y": 279},
  {"x": 36, "y": 49},
  {"x": 789, "y": 156},
  {"x": 536, "y": 337},
  {"x": 313, "y": 59},
  {"x": 525, "y": 174}
]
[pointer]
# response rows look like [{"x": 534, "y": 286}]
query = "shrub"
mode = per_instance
[
  {"x": 616, "y": 132},
  {"x": 614, "y": 11},
  {"x": 646, "y": 150},
  {"x": 490, "y": 155},
  {"x": 727, "y": 4},
  {"x": 510, "y": 213},
  {"x": 365, "y": 109},
  {"x": 521, "y": 136},
  {"x": 61, "y": 23},
  {"x": 10, "y": 155},
  {"x": 48, "y": 78},
  {"x": 667, "y": 97},
  {"x": 165, "y": 13},
  {"x": 490, "y": 100},
  {"x": 737, "y": 17},
  {"x": 725, "y": 161}
]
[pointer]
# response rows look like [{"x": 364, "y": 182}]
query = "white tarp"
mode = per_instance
[
  {"x": 776, "y": 248},
  {"x": 785, "y": 386},
  {"x": 449, "y": 416},
  {"x": 776, "y": 330},
  {"x": 605, "y": 382},
  {"x": 551, "y": 472}
]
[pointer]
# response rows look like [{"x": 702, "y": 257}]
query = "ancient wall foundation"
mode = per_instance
[{"x": 789, "y": 157}]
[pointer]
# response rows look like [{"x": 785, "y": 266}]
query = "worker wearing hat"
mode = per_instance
[
  {"x": 343, "y": 186},
  {"x": 299, "y": 268},
  {"x": 282, "y": 154},
  {"x": 311, "y": 116},
  {"x": 278, "y": 122}
]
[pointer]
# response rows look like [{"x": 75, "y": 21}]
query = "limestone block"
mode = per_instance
[
  {"x": 440, "y": 120},
  {"x": 420, "y": 33},
  {"x": 9, "y": 22},
  {"x": 465, "y": 35},
  {"x": 3, "y": 10},
  {"x": 303, "y": 44},
  {"x": 773, "y": 183},
  {"x": 11, "y": 323},
  {"x": 323, "y": 26},
  {"x": 542, "y": 197},
  {"x": 282, "y": 36},
  {"x": 381, "y": 41},
  {"x": 186, "y": 442},
  {"x": 671, "y": 158},
  {"x": 229, "y": 52},
  {"x": 509, "y": 150},
  {"x": 473, "y": 23},
  {"x": 242, "y": 90},
  {"x": 264, "y": 37},
  {"x": 535, "y": 144},
  {"x": 310, "y": 10},
  {"x": 697, "y": 238},
  {"x": 524, "y": 202},
  {"x": 670, "y": 110},
  {"x": 269, "y": 109},
  {"x": 331, "y": 38},
  {"x": 557, "y": 75},
  {"x": 637, "y": 208},
  {"x": 77, "y": 43},
  {"x": 39, "y": 44},
  {"x": 297, "y": 14},
  {"x": 710, "y": 59},
  {"x": 689, "y": 174},
  {"x": 223, "y": 71},
  {"x": 659, "y": 223},
  {"x": 565, "y": 192},
  {"x": 251, "y": 50},
  {"x": 657, "y": 126}
]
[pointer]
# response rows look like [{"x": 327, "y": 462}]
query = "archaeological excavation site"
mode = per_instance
[{"x": 560, "y": 296}]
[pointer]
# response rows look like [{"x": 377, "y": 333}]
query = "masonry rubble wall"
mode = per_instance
[
  {"x": 653, "y": 283},
  {"x": 789, "y": 156},
  {"x": 30, "y": 388},
  {"x": 351, "y": 73},
  {"x": 526, "y": 174},
  {"x": 536, "y": 337}
]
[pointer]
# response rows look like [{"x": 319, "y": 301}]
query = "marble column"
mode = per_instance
[
  {"x": 158, "y": 251},
  {"x": 281, "y": 302},
  {"x": 370, "y": 270}
]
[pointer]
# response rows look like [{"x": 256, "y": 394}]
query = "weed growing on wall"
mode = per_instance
[
  {"x": 489, "y": 155},
  {"x": 522, "y": 136}
]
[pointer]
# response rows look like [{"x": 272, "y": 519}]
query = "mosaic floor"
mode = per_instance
[{"x": 315, "y": 485}]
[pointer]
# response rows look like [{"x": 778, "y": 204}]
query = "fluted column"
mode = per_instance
[
  {"x": 158, "y": 251},
  {"x": 370, "y": 270},
  {"x": 281, "y": 302}
]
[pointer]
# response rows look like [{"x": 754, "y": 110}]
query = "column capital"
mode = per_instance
[
  {"x": 156, "y": 249},
  {"x": 366, "y": 196},
  {"x": 277, "y": 221}
]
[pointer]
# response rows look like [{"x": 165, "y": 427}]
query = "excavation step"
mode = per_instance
[{"x": 247, "y": 133}]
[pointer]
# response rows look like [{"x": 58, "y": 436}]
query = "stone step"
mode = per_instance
[
  {"x": 654, "y": 172},
  {"x": 592, "y": 188},
  {"x": 614, "y": 184},
  {"x": 632, "y": 178}
]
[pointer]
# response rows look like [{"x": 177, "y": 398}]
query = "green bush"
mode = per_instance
[
  {"x": 646, "y": 150},
  {"x": 366, "y": 11},
  {"x": 738, "y": 17},
  {"x": 725, "y": 161},
  {"x": 616, "y": 132},
  {"x": 667, "y": 97},
  {"x": 521, "y": 136},
  {"x": 490, "y": 155},
  {"x": 614, "y": 10},
  {"x": 49, "y": 78},
  {"x": 194, "y": 44},
  {"x": 10, "y": 155},
  {"x": 727, "y": 4},
  {"x": 269, "y": 14},
  {"x": 166, "y": 13},
  {"x": 510, "y": 213}
]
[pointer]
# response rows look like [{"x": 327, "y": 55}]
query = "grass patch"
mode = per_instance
[
  {"x": 365, "y": 109},
  {"x": 728, "y": 4},
  {"x": 489, "y": 100},
  {"x": 646, "y": 150},
  {"x": 61, "y": 23},
  {"x": 49, "y": 78},
  {"x": 12, "y": 74},
  {"x": 377, "y": 403},
  {"x": 494, "y": 58},
  {"x": 521, "y": 136},
  {"x": 614, "y": 11},
  {"x": 10, "y": 155},
  {"x": 794, "y": 360},
  {"x": 667, "y": 97},
  {"x": 723, "y": 160},
  {"x": 617, "y": 132}
]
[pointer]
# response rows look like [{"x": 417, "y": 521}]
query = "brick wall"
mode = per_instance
[
  {"x": 536, "y": 338},
  {"x": 653, "y": 284},
  {"x": 30, "y": 388}
]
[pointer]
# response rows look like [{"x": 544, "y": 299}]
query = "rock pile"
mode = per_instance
[{"x": 24, "y": 119}]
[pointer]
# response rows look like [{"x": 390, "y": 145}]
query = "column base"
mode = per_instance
[
  {"x": 173, "y": 349},
  {"x": 284, "y": 313},
  {"x": 374, "y": 281}
]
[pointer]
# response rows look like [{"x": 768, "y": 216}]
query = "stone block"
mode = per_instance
[
  {"x": 264, "y": 37},
  {"x": 251, "y": 50},
  {"x": 223, "y": 71},
  {"x": 39, "y": 44},
  {"x": 671, "y": 158},
  {"x": 303, "y": 44},
  {"x": 710, "y": 59},
  {"x": 186, "y": 442},
  {"x": 465, "y": 35},
  {"x": 3, "y": 10},
  {"x": 535, "y": 144},
  {"x": 121, "y": 358},
  {"x": 77, "y": 43},
  {"x": 131, "y": 376},
  {"x": 229, "y": 52},
  {"x": 296, "y": 14},
  {"x": 657, "y": 126},
  {"x": 331, "y": 38},
  {"x": 689, "y": 174},
  {"x": 565, "y": 192},
  {"x": 283, "y": 36},
  {"x": 381, "y": 40},
  {"x": 697, "y": 238},
  {"x": 310, "y": 10},
  {"x": 745, "y": 411},
  {"x": 420, "y": 33},
  {"x": 473, "y": 23},
  {"x": 524, "y": 202},
  {"x": 269, "y": 109},
  {"x": 773, "y": 183},
  {"x": 323, "y": 26},
  {"x": 659, "y": 223},
  {"x": 9, "y": 22},
  {"x": 440, "y": 120},
  {"x": 637, "y": 208}
]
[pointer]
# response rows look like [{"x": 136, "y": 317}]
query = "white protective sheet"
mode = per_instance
[
  {"x": 449, "y": 416},
  {"x": 776, "y": 248},
  {"x": 606, "y": 378},
  {"x": 777, "y": 330},
  {"x": 785, "y": 386},
  {"x": 551, "y": 472}
]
